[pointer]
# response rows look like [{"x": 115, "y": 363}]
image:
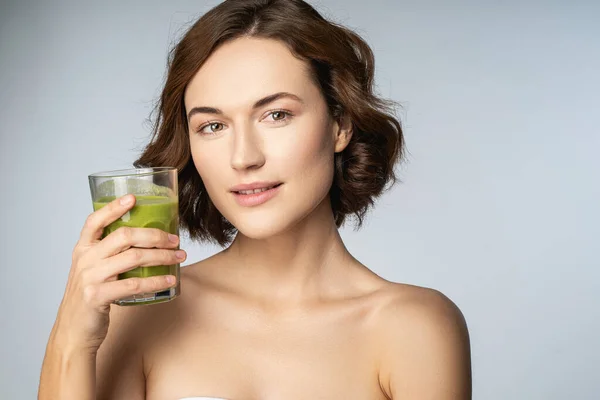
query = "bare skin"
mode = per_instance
[
  {"x": 349, "y": 335},
  {"x": 285, "y": 312}
]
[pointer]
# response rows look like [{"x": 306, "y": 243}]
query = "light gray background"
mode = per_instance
[{"x": 499, "y": 205}]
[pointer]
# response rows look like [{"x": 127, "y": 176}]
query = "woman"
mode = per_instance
[{"x": 268, "y": 113}]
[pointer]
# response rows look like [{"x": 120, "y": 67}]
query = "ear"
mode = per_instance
[{"x": 343, "y": 133}]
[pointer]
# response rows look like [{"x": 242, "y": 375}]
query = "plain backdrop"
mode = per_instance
[{"x": 498, "y": 207}]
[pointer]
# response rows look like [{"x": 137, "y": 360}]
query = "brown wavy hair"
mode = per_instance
[{"x": 342, "y": 65}]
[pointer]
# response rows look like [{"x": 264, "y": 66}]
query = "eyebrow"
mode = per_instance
[{"x": 260, "y": 103}]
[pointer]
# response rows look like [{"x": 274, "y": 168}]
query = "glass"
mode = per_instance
[{"x": 157, "y": 206}]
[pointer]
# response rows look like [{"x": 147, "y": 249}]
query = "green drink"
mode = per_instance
[
  {"x": 149, "y": 212},
  {"x": 156, "y": 206}
]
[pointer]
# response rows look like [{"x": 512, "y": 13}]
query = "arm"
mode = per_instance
[
  {"x": 428, "y": 351},
  {"x": 114, "y": 371},
  {"x": 67, "y": 370}
]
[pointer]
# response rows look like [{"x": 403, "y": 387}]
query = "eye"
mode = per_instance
[
  {"x": 210, "y": 128},
  {"x": 279, "y": 115}
]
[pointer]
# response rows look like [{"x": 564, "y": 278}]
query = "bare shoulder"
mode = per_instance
[
  {"x": 417, "y": 306},
  {"x": 119, "y": 361},
  {"x": 425, "y": 350},
  {"x": 124, "y": 360},
  {"x": 133, "y": 330},
  {"x": 410, "y": 315}
]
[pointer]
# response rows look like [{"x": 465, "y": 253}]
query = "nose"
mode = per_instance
[{"x": 247, "y": 150}]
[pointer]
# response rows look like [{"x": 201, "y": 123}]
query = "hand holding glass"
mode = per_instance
[{"x": 156, "y": 206}]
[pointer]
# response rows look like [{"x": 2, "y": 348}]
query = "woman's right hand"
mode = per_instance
[{"x": 83, "y": 316}]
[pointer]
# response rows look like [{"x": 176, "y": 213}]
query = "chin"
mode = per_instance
[
  {"x": 276, "y": 217},
  {"x": 259, "y": 227}
]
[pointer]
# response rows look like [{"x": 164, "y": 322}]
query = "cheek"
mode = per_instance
[
  {"x": 308, "y": 156},
  {"x": 207, "y": 163}
]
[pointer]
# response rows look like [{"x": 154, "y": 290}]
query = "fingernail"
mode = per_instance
[
  {"x": 126, "y": 200},
  {"x": 173, "y": 238},
  {"x": 180, "y": 254},
  {"x": 170, "y": 279}
]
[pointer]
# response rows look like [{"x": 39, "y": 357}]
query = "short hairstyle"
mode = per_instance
[{"x": 342, "y": 64}]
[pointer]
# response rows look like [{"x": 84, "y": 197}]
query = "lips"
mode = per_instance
[
  {"x": 255, "y": 191},
  {"x": 255, "y": 194},
  {"x": 255, "y": 187}
]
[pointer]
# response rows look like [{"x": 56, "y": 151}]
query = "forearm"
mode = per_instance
[{"x": 68, "y": 372}]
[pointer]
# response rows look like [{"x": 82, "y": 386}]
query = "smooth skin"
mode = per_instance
[{"x": 285, "y": 312}]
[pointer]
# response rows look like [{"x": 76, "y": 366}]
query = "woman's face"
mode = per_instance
[{"x": 257, "y": 119}]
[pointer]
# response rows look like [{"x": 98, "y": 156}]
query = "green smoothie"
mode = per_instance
[{"x": 149, "y": 212}]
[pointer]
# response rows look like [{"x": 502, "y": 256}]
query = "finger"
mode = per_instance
[
  {"x": 108, "y": 292},
  {"x": 126, "y": 237},
  {"x": 135, "y": 257},
  {"x": 100, "y": 219}
]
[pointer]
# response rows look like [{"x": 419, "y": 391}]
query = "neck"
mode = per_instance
[{"x": 294, "y": 265}]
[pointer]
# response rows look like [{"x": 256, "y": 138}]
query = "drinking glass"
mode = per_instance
[{"x": 157, "y": 206}]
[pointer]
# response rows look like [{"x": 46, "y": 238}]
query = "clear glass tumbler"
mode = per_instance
[{"x": 157, "y": 206}]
